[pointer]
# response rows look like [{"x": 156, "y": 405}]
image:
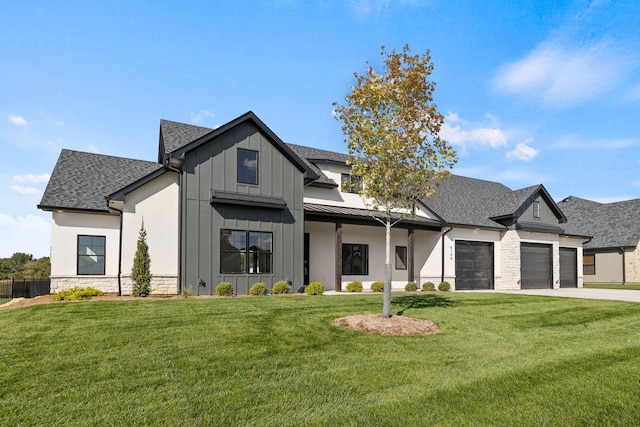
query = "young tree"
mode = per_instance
[
  {"x": 391, "y": 127},
  {"x": 140, "y": 272}
]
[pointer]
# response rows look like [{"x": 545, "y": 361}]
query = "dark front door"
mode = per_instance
[
  {"x": 306, "y": 259},
  {"x": 536, "y": 266},
  {"x": 568, "y": 268},
  {"x": 474, "y": 265}
]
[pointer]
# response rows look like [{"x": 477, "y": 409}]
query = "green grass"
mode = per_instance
[
  {"x": 499, "y": 360},
  {"x": 633, "y": 287}
]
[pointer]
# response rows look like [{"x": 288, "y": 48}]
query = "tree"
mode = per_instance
[
  {"x": 37, "y": 269},
  {"x": 141, "y": 272},
  {"x": 11, "y": 268},
  {"x": 391, "y": 127}
]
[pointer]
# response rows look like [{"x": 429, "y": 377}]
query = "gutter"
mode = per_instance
[
  {"x": 444, "y": 234},
  {"x": 178, "y": 170}
]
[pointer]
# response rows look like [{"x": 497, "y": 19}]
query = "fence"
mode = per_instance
[{"x": 24, "y": 288}]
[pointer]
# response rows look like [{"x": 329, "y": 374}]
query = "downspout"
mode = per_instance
[
  {"x": 121, "y": 212},
  {"x": 443, "y": 254},
  {"x": 624, "y": 269},
  {"x": 179, "y": 172}
]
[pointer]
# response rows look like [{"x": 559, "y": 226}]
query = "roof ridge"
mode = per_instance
[{"x": 108, "y": 155}]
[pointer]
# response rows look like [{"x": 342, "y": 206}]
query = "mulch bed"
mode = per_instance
[{"x": 395, "y": 325}]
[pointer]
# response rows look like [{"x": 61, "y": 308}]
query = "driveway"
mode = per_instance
[{"x": 586, "y": 293}]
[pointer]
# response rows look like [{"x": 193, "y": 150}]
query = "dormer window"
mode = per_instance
[
  {"x": 536, "y": 209},
  {"x": 350, "y": 183},
  {"x": 247, "y": 166}
]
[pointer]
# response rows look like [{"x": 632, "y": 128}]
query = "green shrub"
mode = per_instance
[
  {"x": 429, "y": 286},
  {"x": 77, "y": 293},
  {"x": 259, "y": 288},
  {"x": 411, "y": 286},
  {"x": 377, "y": 286},
  {"x": 444, "y": 286},
  {"x": 186, "y": 293},
  {"x": 224, "y": 289},
  {"x": 281, "y": 287},
  {"x": 314, "y": 288},
  {"x": 354, "y": 287},
  {"x": 140, "y": 272}
]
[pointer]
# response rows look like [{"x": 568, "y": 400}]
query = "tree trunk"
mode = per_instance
[{"x": 386, "y": 305}]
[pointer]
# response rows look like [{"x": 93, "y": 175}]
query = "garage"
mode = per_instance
[
  {"x": 474, "y": 265},
  {"x": 568, "y": 268},
  {"x": 536, "y": 266}
]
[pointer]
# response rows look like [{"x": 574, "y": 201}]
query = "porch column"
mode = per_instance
[
  {"x": 338, "y": 257},
  {"x": 410, "y": 251}
]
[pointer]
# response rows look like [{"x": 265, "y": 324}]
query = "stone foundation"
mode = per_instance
[{"x": 160, "y": 285}]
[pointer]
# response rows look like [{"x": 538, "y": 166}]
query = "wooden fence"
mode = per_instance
[{"x": 24, "y": 288}]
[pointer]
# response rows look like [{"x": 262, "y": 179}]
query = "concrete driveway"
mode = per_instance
[{"x": 590, "y": 293}]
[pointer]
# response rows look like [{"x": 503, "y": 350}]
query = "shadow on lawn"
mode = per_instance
[{"x": 421, "y": 301}]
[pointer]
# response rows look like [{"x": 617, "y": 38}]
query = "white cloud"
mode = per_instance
[
  {"x": 32, "y": 179},
  {"x": 522, "y": 176},
  {"x": 93, "y": 149},
  {"x": 30, "y": 234},
  {"x": 459, "y": 132},
  {"x": 561, "y": 75},
  {"x": 24, "y": 191},
  {"x": 522, "y": 152},
  {"x": 573, "y": 142},
  {"x": 17, "y": 120},
  {"x": 200, "y": 116}
]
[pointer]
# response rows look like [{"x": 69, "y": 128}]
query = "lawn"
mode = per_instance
[
  {"x": 630, "y": 287},
  {"x": 498, "y": 360}
]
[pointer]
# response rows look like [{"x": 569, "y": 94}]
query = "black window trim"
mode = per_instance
[
  {"x": 404, "y": 261},
  {"x": 594, "y": 264},
  {"x": 366, "y": 261},
  {"x": 257, "y": 180},
  {"x": 354, "y": 183},
  {"x": 246, "y": 252},
  {"x": 78, "y": 255}
]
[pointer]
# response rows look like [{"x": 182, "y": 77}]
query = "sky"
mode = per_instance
[{"x": 544, "y": 92}]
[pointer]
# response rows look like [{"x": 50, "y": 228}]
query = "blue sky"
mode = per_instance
[{"x": 533, "y": 92}]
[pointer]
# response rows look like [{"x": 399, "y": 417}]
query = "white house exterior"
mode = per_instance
[{"x": 237, "y": 204}]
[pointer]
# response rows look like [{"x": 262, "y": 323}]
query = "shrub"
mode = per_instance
[
  {"x": 77, "y": 293},
  {"x": 354, "y": 287},
  {"x": 314, "y": 288},
  {"x": 281, "y": 287},
  {"x": 224, "y": 289},
  {"x": 411, "y": 286},
  {"x": 186, "y": 293},
  {"x": 259, "y": 288},
  {"x": 377, "y": 286},
  {"x": 140, "y": 272},
  {"x": 444, "y": 286},
  {"x": 429, "y": 286}
]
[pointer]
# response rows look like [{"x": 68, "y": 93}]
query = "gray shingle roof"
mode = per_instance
[
  {"x": 311, "y": 156},
  {"x": 83, "y": 180},
  {"x": 176, "y": 135},
  {"x": 612, "y": 225}
]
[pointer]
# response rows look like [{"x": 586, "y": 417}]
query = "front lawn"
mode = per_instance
[
  {"x": 498, "y": 360},
  {"x": 631, "y": 287}
]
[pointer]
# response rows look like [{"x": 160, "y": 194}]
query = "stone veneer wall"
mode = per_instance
[
  {"x": 632, "y": 265},
  {"x": 160, "y": 285}
]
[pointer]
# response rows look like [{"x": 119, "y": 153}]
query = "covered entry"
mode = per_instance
[
  {"x": 568, "y": 268},
  {"x": 536, "y": 266},
  {"x": 474, "y": 265}
]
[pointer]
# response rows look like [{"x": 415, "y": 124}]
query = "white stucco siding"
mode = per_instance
[
  {"x": 156, "y": 203},
  {"x": 66, "y": 228},
  {"x": 428, "y": 256}
]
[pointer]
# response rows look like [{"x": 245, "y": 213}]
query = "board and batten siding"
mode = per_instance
[
  {"x": 213, "y": 166},
  {"x": 546, "y": 214}
]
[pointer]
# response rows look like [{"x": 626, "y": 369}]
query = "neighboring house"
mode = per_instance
[
  {"x": 612, "y": 255},
  {"x": 237, "y": 204}
]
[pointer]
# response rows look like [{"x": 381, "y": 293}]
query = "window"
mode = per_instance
[
  {"x": 401, "y": 257},
  {"x": 589, "y": 264},
  {"x": 245, "y": 252},
  {"x": 355, "y": 259},
  {"x": 350, "y": 183},
  {"x": 91, "y": 254},
  {"x": 536, "y": 209},
  {"x": 247, "y": 166}
]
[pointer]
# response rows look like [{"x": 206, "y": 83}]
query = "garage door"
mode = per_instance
[
  {"x": 474, "y": 265},
  {"x": 568, "y": 268},
  {"x": 536, "y": 271}
]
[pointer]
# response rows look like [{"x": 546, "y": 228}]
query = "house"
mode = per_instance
[
  {"x": 612, "y": 255},
  {"x": 237, "y": 204}
]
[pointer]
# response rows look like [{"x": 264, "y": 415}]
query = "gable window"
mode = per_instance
[
  {"x": 247, "y": 166},
  {"x": 536, "y": 209},
  {"x": 401, "y": 257},
  {"x": 246, "y": 252},
  {"x": 589, "y": 264},
  {"x": 355, "y": 259},
  {"x": 91, "y": 251},
  {"x": 350, "y": 183}
]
